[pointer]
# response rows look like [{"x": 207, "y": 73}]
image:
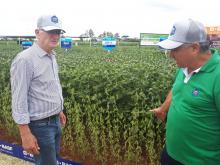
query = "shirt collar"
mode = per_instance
[
  {"x": 185, "y": 71},
  {"x": 40, "y": 51}
]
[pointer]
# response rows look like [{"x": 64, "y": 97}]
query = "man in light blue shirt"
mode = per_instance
[{"x": 37, "y": 101}]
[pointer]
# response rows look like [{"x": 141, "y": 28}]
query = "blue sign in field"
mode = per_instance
[
  {"x": 26, "y": 44},
  {"x": 109, "y": 43},
  {"x": 66, "y": 43}
]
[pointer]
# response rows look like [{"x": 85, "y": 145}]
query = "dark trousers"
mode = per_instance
[{"x": 167, "y": 160}]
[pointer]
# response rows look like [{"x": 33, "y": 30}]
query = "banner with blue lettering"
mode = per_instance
[
  {"x": 17, "y": 151},
  {"x": 108, "y": 43}
]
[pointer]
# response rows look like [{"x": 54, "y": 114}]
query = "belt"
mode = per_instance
[
  {"x": 47, "y": 118},
  {"x": 50, "y": 117}
]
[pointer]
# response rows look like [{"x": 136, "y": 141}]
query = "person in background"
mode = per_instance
[
  {"x": 37, "y": 101},
  {"x": 193, "y": 104}
]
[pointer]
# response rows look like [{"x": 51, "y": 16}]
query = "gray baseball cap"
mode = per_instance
[
  {"x": 186, "y": 31},
  {"x": 49, "y": 22}
]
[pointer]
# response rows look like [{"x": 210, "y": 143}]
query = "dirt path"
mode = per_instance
[{"x": 10, "y": 160}]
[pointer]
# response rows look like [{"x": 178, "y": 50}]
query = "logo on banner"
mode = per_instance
[
  {"x": 6, "y": 147},
  {"x": 27, "y": 154}
]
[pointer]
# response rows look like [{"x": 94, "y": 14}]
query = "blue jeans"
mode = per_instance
[{"x": 48, "y": 134}]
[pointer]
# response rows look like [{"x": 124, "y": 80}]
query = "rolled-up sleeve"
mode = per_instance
[{"x": 20, "y": 76}]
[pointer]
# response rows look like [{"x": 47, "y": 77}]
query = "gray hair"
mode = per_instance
[{"x": 204, "y": 46}]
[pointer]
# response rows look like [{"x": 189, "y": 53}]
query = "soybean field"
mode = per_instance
[{"x": 107, "y": 97}]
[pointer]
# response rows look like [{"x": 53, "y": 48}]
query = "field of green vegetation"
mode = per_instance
[{"x": 107, "y": 98}]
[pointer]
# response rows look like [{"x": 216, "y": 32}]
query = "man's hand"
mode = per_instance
[
  {"x": 160, "y": 113},
  {"x": 29, "y": 142},
  {"x": 62, "y": 118}
]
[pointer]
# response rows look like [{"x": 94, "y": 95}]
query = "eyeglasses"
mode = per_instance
[{"x": 58, "y": 32}]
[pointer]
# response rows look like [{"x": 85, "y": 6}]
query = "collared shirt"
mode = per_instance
[
  {"x": 36, "y": 89},
  {"x": 188, "y": 76}
]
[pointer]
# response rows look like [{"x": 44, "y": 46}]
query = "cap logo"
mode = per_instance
[
  {"x": 54, "y": 19},
  {"x": 173, "y": 31}
]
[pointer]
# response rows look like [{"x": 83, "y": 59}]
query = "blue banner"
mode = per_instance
[
  {"x": 17, "y": 151},
  {"x": 26, "y": 44},
  {"x": 66, "y": 43},
  {"x": 108, "y": 43}
]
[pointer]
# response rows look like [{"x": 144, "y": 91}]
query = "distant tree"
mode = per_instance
[
  {"x": 87, "y": 33},
  {"x": 84, "y": 35},
  {"x": 109, "y": 34},
  {"x": 100, "y": 36},
  {"x": 116, "y": 35},
  {"x": 91, "y": 33},
  {"x": 105, "y": 33}
]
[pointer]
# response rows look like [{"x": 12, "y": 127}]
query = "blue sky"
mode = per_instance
[{"x": 127, "y": 17}]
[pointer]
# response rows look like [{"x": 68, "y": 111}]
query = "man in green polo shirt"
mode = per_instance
[{"x": 193, "y": 104}]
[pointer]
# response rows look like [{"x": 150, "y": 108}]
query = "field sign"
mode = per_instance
[
  {"x": 108, "y": 43},
  {"x": 151, "y": 39},
  {"x": 26, "y": 44},
  {"x": 66, "y": 43}
]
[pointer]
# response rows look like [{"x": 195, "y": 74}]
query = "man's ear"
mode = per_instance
[
  {"x": 196, "y": 47},
  {"x": 37, "y": 31}
]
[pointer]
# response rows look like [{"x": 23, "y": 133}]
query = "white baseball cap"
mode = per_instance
[
  {"x": 186, "y": 31},
  {"x": 49, "y": 22}
]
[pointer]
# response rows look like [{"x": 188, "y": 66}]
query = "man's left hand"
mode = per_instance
[{"x": 62, "y": 118}]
